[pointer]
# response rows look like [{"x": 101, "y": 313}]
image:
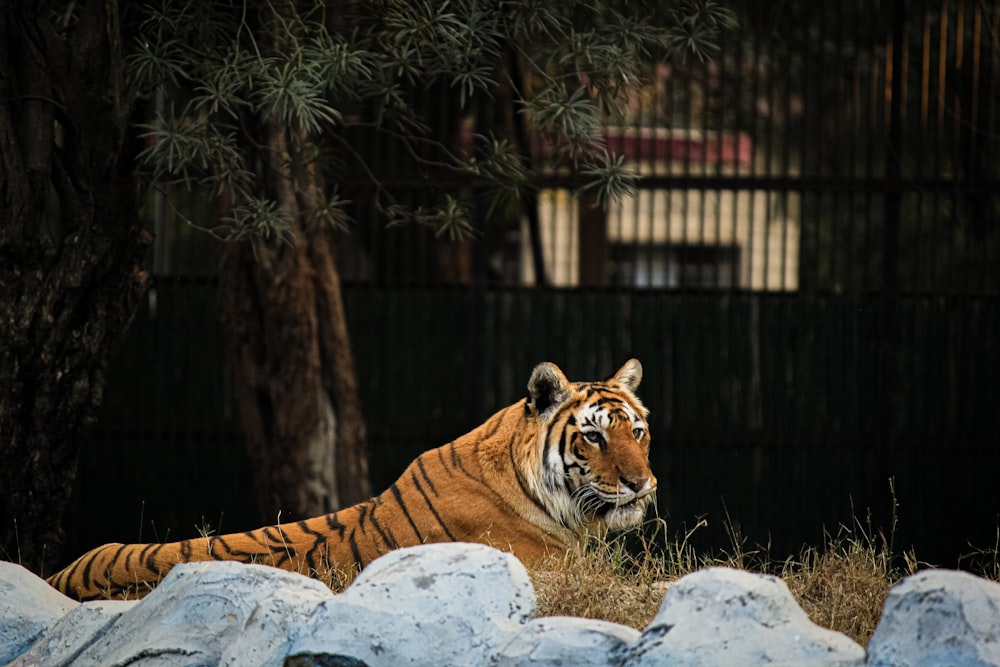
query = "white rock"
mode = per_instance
[
  {"x": 268, "y": 633},
  {"x": 563, "y": 640},
  {"x": 939, "y": 617},
  {"x": 721, "y": 616},
  {"x": 28, "y": 607},
  {"x": 73, "y": 633},
  {"x": 436, "y": 604},
  {"x": 210, "y": 613}
]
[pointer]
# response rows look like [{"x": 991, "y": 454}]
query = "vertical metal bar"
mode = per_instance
[
  {"x": 859, "y": 139},
  {"x": 530, "y": 195},
  {"x": 721, "y": 138},
  {"x": 980, "y": 205},
  {"x": 795, "y": 59},
  {"x": 686, "y": 192},
  {"x": 743, "y": 258},
  {"x": 843, "y": 224},
  {"x": 592, "y": 221},
  {"x": 758, "y": 137},
  {"x": 924, "y": 202},
  {"x": 933, "y": 251},
  {"x": 991, "y": 279},
  {"x": 671, "y": 161},
  {"x": 703, "y": 269},
  {"x": 769, "y": 162},
  {"x": 888, "y": 295}
]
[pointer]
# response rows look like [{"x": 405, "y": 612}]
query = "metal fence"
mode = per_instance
[{"x": 810, "y": 274}]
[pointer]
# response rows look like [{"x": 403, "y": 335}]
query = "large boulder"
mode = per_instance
[
  {"x": 210, "y": 613},
  {"x": 468, "y": 604},
  {"x": 939, "y": 617},
  {"x": 435, "y": 605},
  {"x": 64, "y": 642},
  {"x": 721, "y": 616},
  {"x": 28, "y": 607}
]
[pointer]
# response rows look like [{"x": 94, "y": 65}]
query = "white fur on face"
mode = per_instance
[
  {"x": 598, "y": 418},
  {"x": 565, "y": 474}
]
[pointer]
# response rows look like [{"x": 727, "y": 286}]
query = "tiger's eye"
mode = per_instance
[{"x": 638, "y": 433}]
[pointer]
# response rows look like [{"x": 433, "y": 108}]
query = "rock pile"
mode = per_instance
[{"x": 468, "y": 604}]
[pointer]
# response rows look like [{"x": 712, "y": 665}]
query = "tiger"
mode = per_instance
[{"x": 565, "y": 463}]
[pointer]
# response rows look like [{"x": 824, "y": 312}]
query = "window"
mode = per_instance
[{"x": 652, "y": 265}]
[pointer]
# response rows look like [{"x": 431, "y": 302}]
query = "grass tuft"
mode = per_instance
[
  {"x": 604, "y": 582},
  {"x": 842, "y": 585}
]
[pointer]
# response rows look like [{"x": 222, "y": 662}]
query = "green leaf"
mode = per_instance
[
  {"x": 294, "y": 96},
  {"x": 613, "y": 180}
]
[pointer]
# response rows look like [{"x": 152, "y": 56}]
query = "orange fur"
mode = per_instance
[{"x": 534, "y": 479}]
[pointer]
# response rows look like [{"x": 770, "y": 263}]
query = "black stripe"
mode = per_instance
[
  {"x": 128, "y": 559},
  {"x": 402, "y": 506},
  {"x": 280, "y": 540},
  {"x": 386, "y": 535},
  {"x": 456, "y": 460},
  {"x": 185, "y": 547},
  {"x": 67, "y": 575},
  {"x": 354, "y": 550},
  {"x": 114, "y": 559},
  {"x": 318, "y": 541},
  {"x": 245, "y": 556},
  {"x": 277, "y": 559},
  {"x": 227, "y": 552},
  {"x": 520, "y": 480},
  {"x": 492, "y": 429},
  {"x": 334, "y": 524},
  {"x": 88, "y": 566},
  {"x": 362, "y": 512},
  {"x": 430, "y": 506},
  {"x": 212, "y": 541},
  {"x": 444, "y": 464},
  {"x": 558, "y": 477},
  {"x": 149, "y": 557},
  {"x": 58, "y": 580},
  {"x": 548, "y": 432},
  {"x": 127, "y": 550},
  {"x": 423, "y": 471}
]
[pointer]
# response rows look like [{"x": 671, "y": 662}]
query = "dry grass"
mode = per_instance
[
  {"x": 611, "y": 582},
  {"x": 841, "y": 585},
  {"x": 595, "y": 585}
]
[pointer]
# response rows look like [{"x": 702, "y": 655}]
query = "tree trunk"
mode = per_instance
[
  {"x": 287, "y": 342},
  {"x": 70, "y": 255}
]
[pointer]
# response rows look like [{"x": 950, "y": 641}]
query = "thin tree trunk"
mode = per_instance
[
  {"x": 70, "y": 256},
  {"x": 288, "y": 345}
]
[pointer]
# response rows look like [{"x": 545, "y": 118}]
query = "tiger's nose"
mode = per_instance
[{"x": 637, "y": 484}]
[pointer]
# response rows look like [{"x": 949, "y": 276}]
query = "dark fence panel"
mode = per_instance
[
  {"x": 764, "y": 406},
  {"x": 810, "y": 274}
]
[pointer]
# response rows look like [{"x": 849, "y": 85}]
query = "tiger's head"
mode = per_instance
[{"x": 594, "y": 448}]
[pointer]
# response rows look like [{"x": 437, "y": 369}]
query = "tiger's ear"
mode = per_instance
[
  {"x": 629, "y": 376},
  {"x": 547, "y": 388}
]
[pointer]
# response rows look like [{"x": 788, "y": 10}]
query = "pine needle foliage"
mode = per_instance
[{"x": 234, "y": 71}]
